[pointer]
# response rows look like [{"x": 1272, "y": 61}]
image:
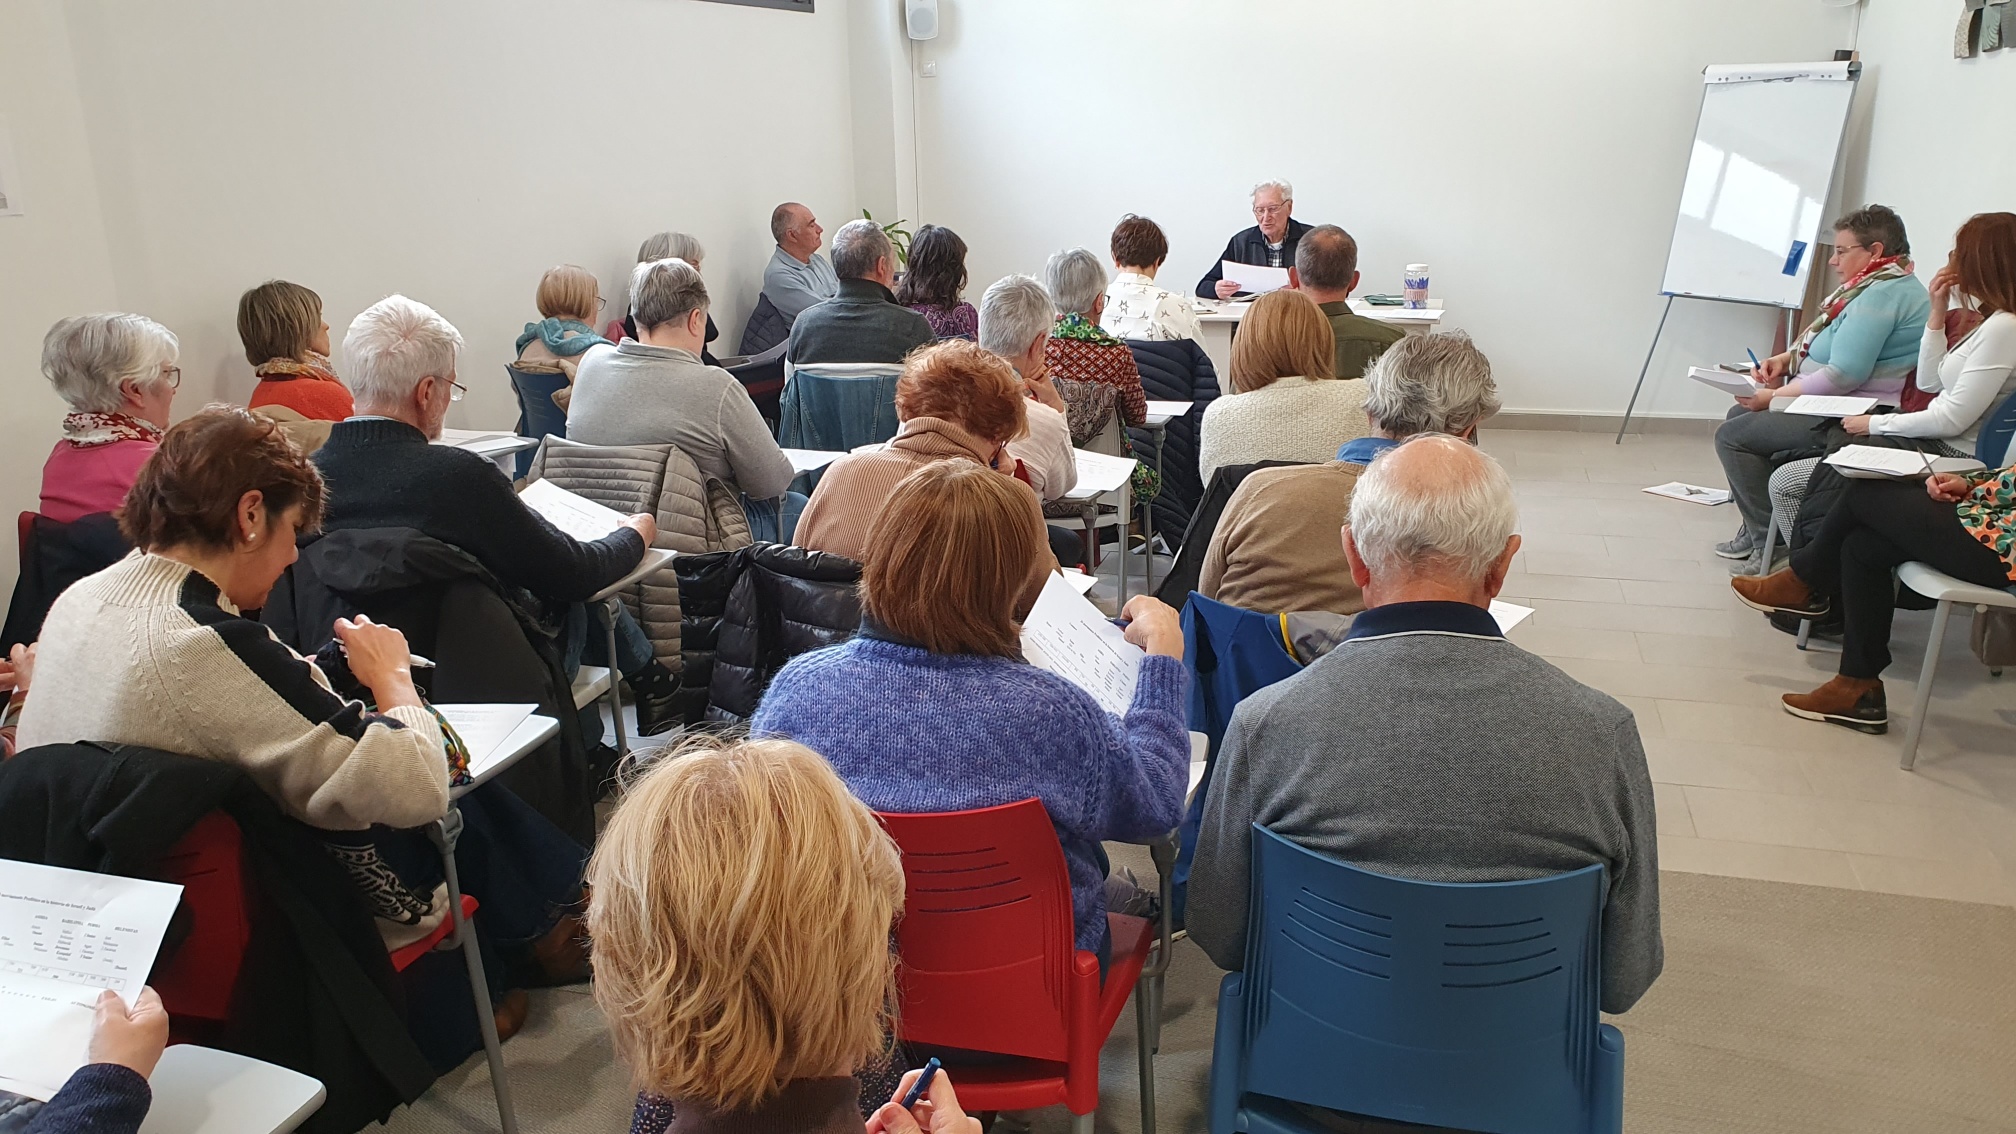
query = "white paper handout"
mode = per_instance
[
  {"x": 571, "y": 512},
  {"x": 1867, "y": 461},
  {"x": 1100, "y": 473},
  {"x": 1073, "y": 639},
  {"x": 484, "y": 728},
  {"x": 1167, "y": 410},
  {"x": 1828, "y": 405},
  {"x": 805, "y": 460},
  {"x": 1255, "y": 278},
  {"x": 1740, "y": 385},
  {"x": 1691, "y": 493},
  {"x": 1079, "y": 580},
  {"x": 482, "y": 441},
  {"x": 1509, "y": 615},
  {"x": 65, "y": 936}
]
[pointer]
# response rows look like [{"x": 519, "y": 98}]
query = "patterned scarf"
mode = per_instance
[
  {"x": 1076, "y": 326},
  {"x": 1886, "y": 268},
  {"x": 87, "y": 429},
  {"x": 282, "y": 369}
]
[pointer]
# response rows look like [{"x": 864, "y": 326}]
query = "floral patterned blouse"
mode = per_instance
[
  {"x": 960, "y": 322},
  {"x": 1989, "y": 513}
]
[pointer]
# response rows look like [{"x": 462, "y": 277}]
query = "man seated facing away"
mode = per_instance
[
  {"x": 382, "y": 472},
  {"x": 1270, "y": 243},
  {"x": 654, "y": 390},
  {"x": 863, "y": 322},
  {"x": 1425, "y": 745},
  {"x": 797, "y": 276},
  {"x": 1275, "y": 548},
  {"x": 1326, "y": 269}
]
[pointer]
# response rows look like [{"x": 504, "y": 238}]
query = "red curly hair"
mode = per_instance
[{"x": 970, "y": 387}]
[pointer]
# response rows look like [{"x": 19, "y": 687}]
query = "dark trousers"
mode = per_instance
[{"x": 1876, "y": 526}]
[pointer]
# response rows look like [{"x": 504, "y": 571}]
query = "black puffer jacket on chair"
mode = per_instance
[
  {"x": 759, "y": 607},
  {"x": 1174, "y": 371}
]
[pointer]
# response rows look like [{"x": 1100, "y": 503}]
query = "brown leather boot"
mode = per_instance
[
  {"x": 1778, "y": 591},
  {"x": 1851, "y": 702},
  {"x": 510, "y": 1013},
  {"x": 562, "y": 954}
]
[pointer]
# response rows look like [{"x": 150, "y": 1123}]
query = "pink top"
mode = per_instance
[{"x": 77, "y": 481}]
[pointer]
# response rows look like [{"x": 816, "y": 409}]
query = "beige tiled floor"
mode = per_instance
[{"x": 1631, "y": 599}]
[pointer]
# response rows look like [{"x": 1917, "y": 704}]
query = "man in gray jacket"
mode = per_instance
[
  {"x": 1425, "y": 745},
  {"x": 863, "y": 322}
]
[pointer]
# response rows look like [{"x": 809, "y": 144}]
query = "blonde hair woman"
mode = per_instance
[
  {"x": 1286, "y": 403},
  {"x": 742, "y": 902},
  {"x": 569, "y": 298}
]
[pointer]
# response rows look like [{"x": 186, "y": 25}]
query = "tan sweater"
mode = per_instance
[
  {"x": 1280, "y": 546},
  {"x": 853, "y": 489},
  {"x": 148, "y": 652}
]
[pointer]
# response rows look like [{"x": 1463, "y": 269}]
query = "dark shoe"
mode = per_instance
[
  {"x": 1850, "y": 702},
  {"x": 510, "y": 1013},
  {"x": 1828, "y": 627},
  {"x": 1780, "y": 590},
  {"x": 562, "y": 955},
  {"x": 655, "y": 690}
]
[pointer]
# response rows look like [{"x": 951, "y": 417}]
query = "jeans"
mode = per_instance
[
  {"x": 586, "y": 641},
  {"x": 1749, "y": 443},
  {"x": 1877, "y": 525},
  {"x": 763, "y": 517}
]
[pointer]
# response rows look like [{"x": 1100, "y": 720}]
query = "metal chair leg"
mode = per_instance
[
  {"x": 445, "y": 832},
  {"x": 1805, "y": 632},
  {"x": 1144, "y": 1029},
  {"x": 1923, "y": 701},
  {"x": 1081, "y": 1124},
  {"x": 608, "y": 612}
]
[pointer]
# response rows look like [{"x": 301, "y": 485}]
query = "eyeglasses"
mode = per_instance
[
  {"x": 1270, "y": 210},
  {"x": 1840, "y": 248},
  {"x": 173, "y": 376},
  {"x": 456, "y": 390},
  {"x": 601, "y": 305}
]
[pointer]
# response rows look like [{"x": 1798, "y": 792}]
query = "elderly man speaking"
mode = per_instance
[
  {"x": 1271, "y": 243},
  {"x": 1425, "y": 745}
]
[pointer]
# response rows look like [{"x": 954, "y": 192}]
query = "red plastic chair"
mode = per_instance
[{"x": 988, "y": 961}]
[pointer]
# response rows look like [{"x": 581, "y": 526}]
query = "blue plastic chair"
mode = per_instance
[
  {"x": 538, "y": 417},
  {"x": 838, "y": 407},
  {"x": 1463, "y": 1005},
  {"x": 1991, "y": 445},
  {"x": 1230, "y": 654}
]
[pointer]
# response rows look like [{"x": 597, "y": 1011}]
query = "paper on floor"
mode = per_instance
[
  {"x": 1509, "y": 615},
  {"x": 1073, "y": 639},
  {"x": 571, "y": 512},
  {"x": 1691, "y": 493},
  {"x": 65, "y": 936}
]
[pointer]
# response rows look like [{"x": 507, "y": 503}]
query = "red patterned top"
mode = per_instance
[{"x": 1081, "y": 352}]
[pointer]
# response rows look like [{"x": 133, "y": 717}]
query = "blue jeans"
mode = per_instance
[
  {"x": 586, "y": 641},
  {"x": 763, "y": 517}
]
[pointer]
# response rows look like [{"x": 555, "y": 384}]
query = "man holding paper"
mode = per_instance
[
  {"x": 1268, "y": 244},
  {"x": 1864, "y": 342}
]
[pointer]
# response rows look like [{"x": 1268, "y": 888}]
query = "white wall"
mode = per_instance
[
  {"x": 1937, "y": 149},
  {"x": 1536, "y": 169}
]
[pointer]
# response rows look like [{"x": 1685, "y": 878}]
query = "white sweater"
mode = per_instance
[
  {"x": 148, "y": 652},
  {"x": 1970, "y": 380},
  {"x": 1294, "y": 419}
]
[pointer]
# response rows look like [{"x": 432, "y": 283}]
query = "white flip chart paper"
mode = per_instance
[
  {"x": 1255, "y": 278},
  {"x": 571, "y": 512},
  {"x": 1071, "y": 638},
  {"x": 65, "y": 936}
]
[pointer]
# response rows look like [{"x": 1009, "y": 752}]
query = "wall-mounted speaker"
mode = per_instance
[{"x": 920, "y": 18}]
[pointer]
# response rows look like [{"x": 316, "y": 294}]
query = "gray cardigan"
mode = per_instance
[
  {"x": 1441, "y": 755},
  {"x": 633, "y": 394}
]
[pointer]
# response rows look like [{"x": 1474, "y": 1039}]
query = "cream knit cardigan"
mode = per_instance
[{"x": 1293, "y": 419}]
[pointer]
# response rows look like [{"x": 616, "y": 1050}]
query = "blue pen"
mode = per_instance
[
  {"x": 923, "y": 1084},
  {"x": 1754, "y": 364}
]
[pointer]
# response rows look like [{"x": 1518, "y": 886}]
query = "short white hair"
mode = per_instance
[
  {"x": 86, "y": 357},
  {"x": 663, "y": 291},
  {"x": 1439, "y": 383},
  {"x": 1014, "y": 311},
  {"x": 1277, "y": 184},
  {"x": 393, "y": 344},
  {"x": 671, "y": 246},
  {"x": 1076, "y": 280},
  {"x": 858, "y": 246},
  {"x": 1433, "y": 506}
]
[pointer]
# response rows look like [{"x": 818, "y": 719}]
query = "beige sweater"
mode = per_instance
[
  {"x": 853, "y": 489},
  {"x": 148, "y": 652},
  {"x": 1293, "y": 419},
  {"x": 1280, "y": 546}
]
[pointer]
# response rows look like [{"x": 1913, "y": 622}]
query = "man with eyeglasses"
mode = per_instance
[{"x": 1271, "y": 243}]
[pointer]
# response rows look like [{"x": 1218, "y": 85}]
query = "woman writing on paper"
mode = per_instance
[
  {"x": 153, "y": 651},
  {"x": 933, "y": 709}
]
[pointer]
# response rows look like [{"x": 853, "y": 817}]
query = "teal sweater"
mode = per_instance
[{"x": 1873, "y": 346}]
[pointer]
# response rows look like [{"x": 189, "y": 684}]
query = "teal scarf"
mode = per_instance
[{"x": 549, "y": 332}]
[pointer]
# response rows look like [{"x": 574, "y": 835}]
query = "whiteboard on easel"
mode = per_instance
[{"x": 1765, "y": 150}]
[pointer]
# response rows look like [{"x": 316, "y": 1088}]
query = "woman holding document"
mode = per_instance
[{"x": 932, "y": 708}]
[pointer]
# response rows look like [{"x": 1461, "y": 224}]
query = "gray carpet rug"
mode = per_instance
[{"x": 1783, "y": 1009}]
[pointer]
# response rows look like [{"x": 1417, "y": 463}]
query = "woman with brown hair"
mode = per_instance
[
  {"x": 955, "y": 401},
  {"x": 932, "y": 708},
  {"x": 1286, "y": 403},
  {"x": 741, "y": 914},
  {"x": 286, "y": 340},
  {"x": 934, "y": 281}
]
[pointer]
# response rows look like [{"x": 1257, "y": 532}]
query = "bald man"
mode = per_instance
[
  {"x": 1427, "y": 746},
  {"x": 797, "y": 276}
]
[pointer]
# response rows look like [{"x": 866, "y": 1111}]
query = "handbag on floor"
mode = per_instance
[{"x": 1994, "y": 638}]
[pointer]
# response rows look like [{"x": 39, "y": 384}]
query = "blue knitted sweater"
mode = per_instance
[{"x": 917, "y": 732}]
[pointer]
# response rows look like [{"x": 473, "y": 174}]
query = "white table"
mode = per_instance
[
  {"x": 1221, "y": 318},
  {"x": 497, "y": 446},
  {"x": 199, "y": 1090}
]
